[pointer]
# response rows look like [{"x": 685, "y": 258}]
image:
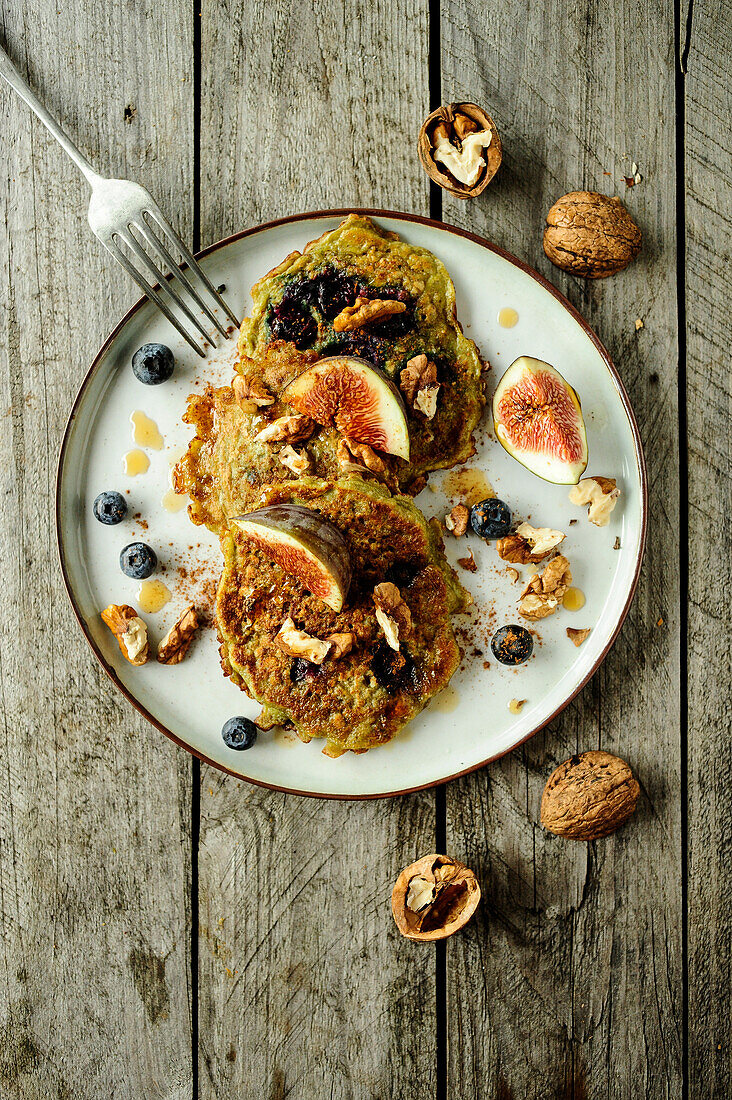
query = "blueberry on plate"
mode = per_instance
[
  {"x": 110, "y": 508},
  {"x": 512, "y": 645},
  {"x": 491, "y": 519},
  {"x": 239, "y": 733},
  {"x": 153, "y": 364},
  {"x": 138, "y": 560},
  {"x": 302, "y": 671}
]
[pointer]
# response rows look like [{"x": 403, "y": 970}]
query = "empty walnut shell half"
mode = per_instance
[
  {"x": 434, "y": 897},
  {"x": 456, "y": 121}
]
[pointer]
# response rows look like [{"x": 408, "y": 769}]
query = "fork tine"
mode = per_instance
[
  {"x": 140, "y": 252},
  {"x": 111, "y": 246},
  {"x": 155, "y": 242},
  {"x": 188, "y": 256}
]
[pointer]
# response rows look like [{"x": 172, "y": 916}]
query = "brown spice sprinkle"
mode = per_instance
[
  {"x": 457, "y": 521},
  {"x": 577, "y": 636}
]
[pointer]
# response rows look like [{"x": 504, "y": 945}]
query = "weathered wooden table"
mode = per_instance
[{"x": 169, "y": 932}]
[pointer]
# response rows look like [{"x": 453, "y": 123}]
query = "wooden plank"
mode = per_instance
[
  {"x": 306, "y": 987},
  {"x": 569, "y": 983},
  {"x": 709, "y": 400},
  {"x": 94, "y": 804}
]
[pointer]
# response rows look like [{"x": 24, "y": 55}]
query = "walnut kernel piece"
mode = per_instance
[
  {"x": 296, "y": 643},
  {"x": 589, "y": 796},
  {"x": 545, "y": 591},
  {"x": 434, "y": 897},
  {"x": 340, "y": 644},
  {"x": 601, "y": 493},
  {"x": 457, "y": 520},
  {"x": 299, "y": 462},
  {"x": 512, "y": 574},
  {"x": 365, "y": 311},
  {"x": 294, "y": 429},
  {"x": 392, "y": 614},
  {"x": 591, "y": 235},
  {"x": 129, "y": 630},
  {"x": 251, "y": 394},
  {"x": 528, "y": 544},
  {"x": 366, "y": 457},
  {"x": 418, "y": 382},
  {"x": 176, "y": 643},
  {"x": 577, "y": 636},
  {"x": 469, "y": 563}
]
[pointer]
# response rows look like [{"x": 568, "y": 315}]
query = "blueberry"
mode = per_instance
[
  {"x": 512, "y": 645},
  {"x": 110, "y": 508},
  {"x": 138, "y": 560},
  {"x": 302, "y": 670},
  {"x": 287, "y": 321},
  {"x": 153, "y": 364},
  {"x": 239, "y": 733},
  {"x": 393, "y": 670},
  {"x": 491, "y": 519}
]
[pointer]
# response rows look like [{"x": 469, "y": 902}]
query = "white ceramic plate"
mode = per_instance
[{"x": 470, "y": 723}]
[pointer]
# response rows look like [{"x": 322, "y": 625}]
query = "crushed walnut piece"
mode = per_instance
[
  {"x": 251, "y": 394},
  {"x": 601, "y": 493},
  {"x": 349, "y": 450},
  {"x": 296, "y": 643},
  {"x": 364, "y": 311},
  {"x": 512, "y": 574},
  {"x": 176, "y": 643},
  {"x": 294, "y": 429},
  {"x": 340, "y": 644},
  {"x": 129, "y": 630},
  {"x": 457, "y": 520},
  {"x": 469, "y": 563},
  {"x": 545, "y": 591},
  {"x": 418, "y": 382},
  {"x": 392, "y": 614},
  {"x": 577, "y": 636},
  {"x": 528, "y": 544},
  {"x": 299, "y": 462}
]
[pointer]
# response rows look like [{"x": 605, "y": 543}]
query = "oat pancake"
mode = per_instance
[{"x": 364, "y": 698}]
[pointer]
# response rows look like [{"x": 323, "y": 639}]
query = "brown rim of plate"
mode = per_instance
[{"x": 640, "y": 459}]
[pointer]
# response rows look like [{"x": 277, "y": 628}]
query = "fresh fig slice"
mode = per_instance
[
  {"x": 347, "y": 393},
  {"x": 304, "y": 544},
  {"x": 537, "y": 418}
]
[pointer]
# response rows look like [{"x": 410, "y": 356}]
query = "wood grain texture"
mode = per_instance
[
  {"x": 574, "y": 965},
  {"x": 709, "y": 402},
  {"x": 94, "y": 804},
  {"x": 306, "y": 988}
]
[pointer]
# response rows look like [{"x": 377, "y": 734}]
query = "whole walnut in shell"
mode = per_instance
[
  {"x": 591, "y": 235},
  {"x": 589, "y": 796}
]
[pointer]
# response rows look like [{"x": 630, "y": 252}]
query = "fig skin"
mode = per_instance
[
  {"x": 306, "y": 545},
  {"x": 323, "y": 393},
  {"x": 528, "y": 380}
]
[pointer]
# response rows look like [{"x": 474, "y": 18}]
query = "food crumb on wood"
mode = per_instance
[
  {"x": 660, "y": 622},
  {"x": 638, "y": 324}
]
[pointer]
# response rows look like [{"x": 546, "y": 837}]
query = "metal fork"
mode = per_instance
[{"x": 123, "y": 213}]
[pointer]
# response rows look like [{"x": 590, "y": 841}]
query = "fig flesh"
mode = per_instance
[
  {"x": 305, "y": 545},
  {"x": 537, "y": 418},
  {"x": 347, "y": 393}
]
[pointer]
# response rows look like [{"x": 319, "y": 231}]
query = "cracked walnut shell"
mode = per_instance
[
  {"x": 464, "y": 136},
  {"x": 589, "y": 796},
  {"x": 434, "y": 897},
  {"x": 591, "y": 235}
]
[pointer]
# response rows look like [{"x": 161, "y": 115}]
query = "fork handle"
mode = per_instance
[{"x": 16, "y": 81}]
